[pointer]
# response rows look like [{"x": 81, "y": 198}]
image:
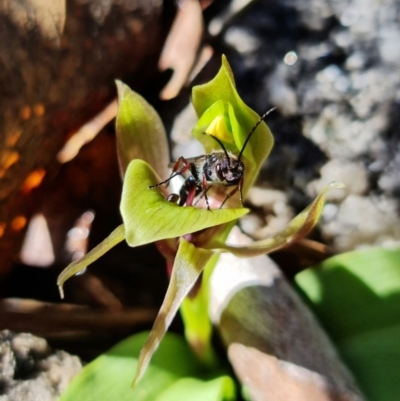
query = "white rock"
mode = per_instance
[
  {"x": 363, "y": 222},
  {"x": 353, "y": 175},
  {"x": 241, "y": 40},
  {"x": 265, "y": 197}
]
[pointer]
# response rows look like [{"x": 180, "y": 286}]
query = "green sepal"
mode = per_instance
[
  {"x": 140, "y": 132},
  {"x": 113, "y": 239},
  {"x": 298, "y": 228}
]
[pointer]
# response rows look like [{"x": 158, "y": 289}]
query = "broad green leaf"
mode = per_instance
[
  {"x": 174, "y": 374},
  {"x": 140, "y": 132},
  {"x": 189, "y": 263},
  {"x": 374, "y": 358},
  {"x": 356, "y": 296},
  {"x": 241, "y": 119},
  {"x": 148, "y": 217},
  {"x": 199, "y": 390},
  {"x": 113, "y": 239},
  {"x": 299, "y": 227}
]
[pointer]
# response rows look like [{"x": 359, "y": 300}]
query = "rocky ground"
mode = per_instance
[{"x": 31, "y": 371}]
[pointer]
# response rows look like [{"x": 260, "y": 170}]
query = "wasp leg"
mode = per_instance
[
  {"x": 185, "y": 163},
  {"x": 175, "y": 171},
  {"x": 228, "y": 196},
  {"x": 179, "y": 171},
  {"x": 203, "y": 193},
  {"x": 174, "y": 174},
  {"x": 191, "y": 195},
  {"x": 239, "y": 187},
  {"x": 205, "y": 189},
  {"x": 240, "y": 191}
]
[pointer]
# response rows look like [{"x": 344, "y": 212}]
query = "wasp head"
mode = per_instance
[{"x": 230, "y": 171}]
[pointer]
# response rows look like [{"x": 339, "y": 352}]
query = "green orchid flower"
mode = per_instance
[{"x": 190, "y": 238}]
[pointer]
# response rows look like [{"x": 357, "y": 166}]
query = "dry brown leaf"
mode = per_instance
[
  {"x": 87, "y": 132},
  {"x": 181, "y": 47}
]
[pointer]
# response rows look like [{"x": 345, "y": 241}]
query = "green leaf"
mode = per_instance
[
  {"x": 189, "y": 263},
  {"x": 140, "y": 132},
  {"x": 148, "y": 217},
  {"x": 356, "y": 296},
  {"x": 298, "y": 228},
  {"x": 174, "y": 374},
  {"x": 198, "y": 390},
  {"x": 241, "y": 119},
  {"x": 75, "y": 267}
]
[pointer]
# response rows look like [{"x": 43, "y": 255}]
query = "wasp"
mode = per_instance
[{"x": 219, "y": 167}]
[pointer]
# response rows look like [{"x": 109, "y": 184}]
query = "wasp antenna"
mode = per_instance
[
  {"x": 253, "y": 129},
  {"x": 223, "y": 148}
]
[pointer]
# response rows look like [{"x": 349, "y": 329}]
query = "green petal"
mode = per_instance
[
  {"x": 148, "y": 217},
  {"x": 222, "y": 88},
  {"x": 194, "y": 311},
  {"x": 75, "y": 267},
  {"x": 356, "y": 296},
  {"x": 216, "y": 110},
  {"x": 140, "y": 132},
  {"x": 299, "y": 227},
  {"x": 173, "y": 374},
  {"x": 189, "y": 263}
]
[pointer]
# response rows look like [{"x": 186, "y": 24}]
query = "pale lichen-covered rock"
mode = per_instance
[{"x": 31, "y": 371}]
